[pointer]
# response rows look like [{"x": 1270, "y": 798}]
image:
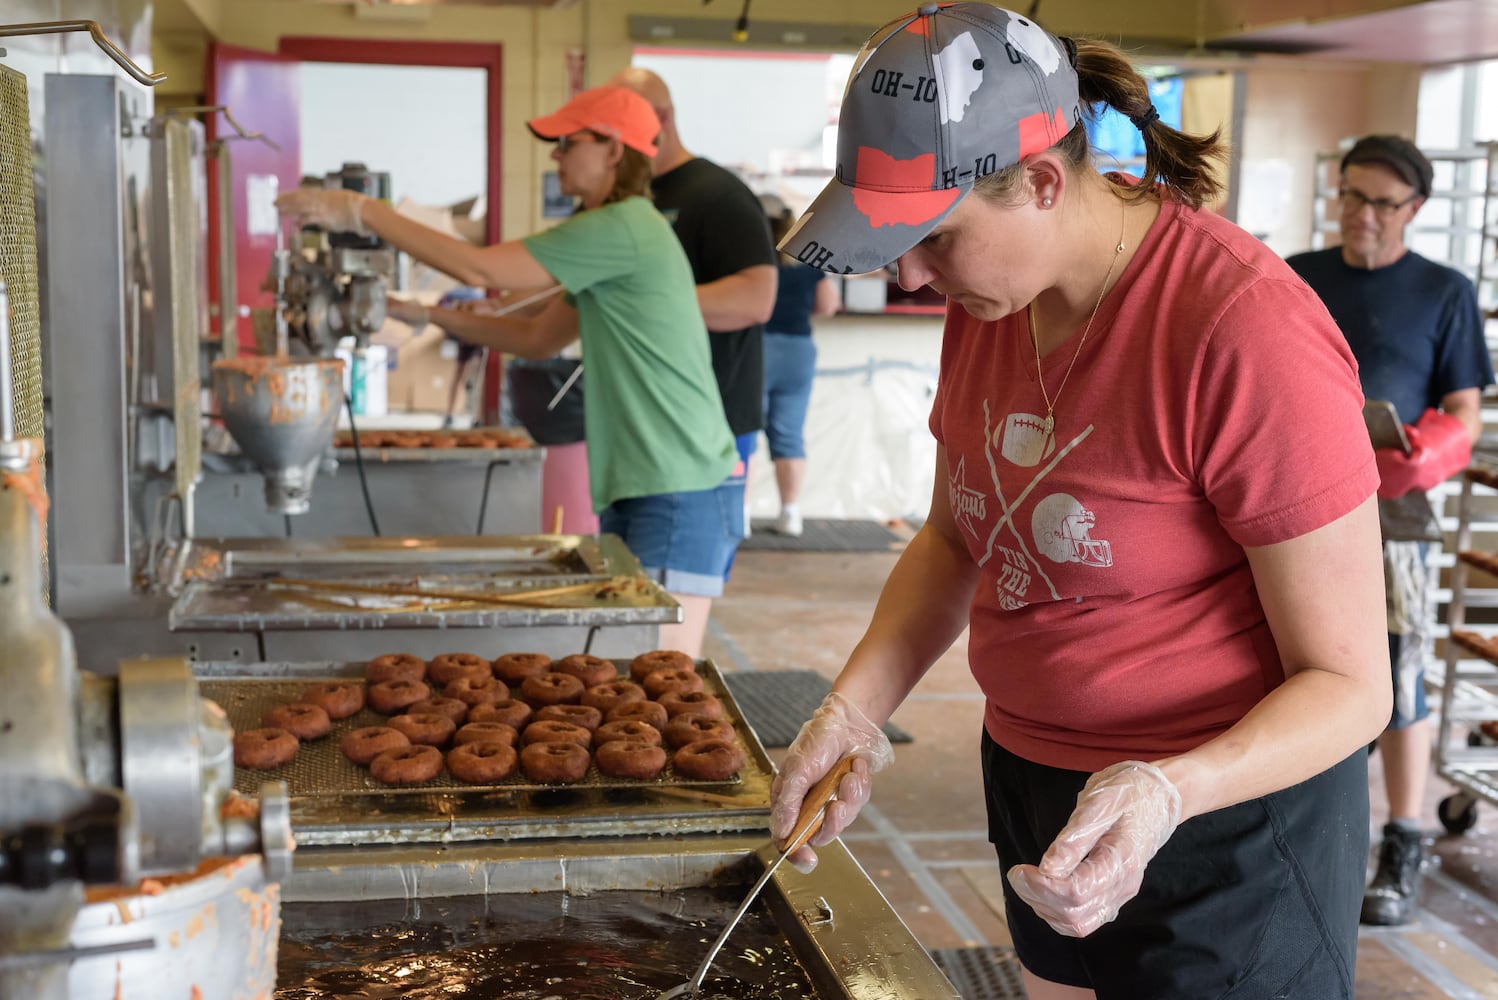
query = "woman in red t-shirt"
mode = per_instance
[{"x": 1153, "y": 510}]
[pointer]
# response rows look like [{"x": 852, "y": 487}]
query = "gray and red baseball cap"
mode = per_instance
[{"x": 937, "y": 99}]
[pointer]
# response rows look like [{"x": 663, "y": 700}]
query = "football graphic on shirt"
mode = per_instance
[
  {"x": 1024, "y": 441},
  {"x": 1062, "y": 528}
]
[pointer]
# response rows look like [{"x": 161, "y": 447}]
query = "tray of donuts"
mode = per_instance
[
  {"x": 460, "y": 721},
  {"x": 487, "y": 438}
]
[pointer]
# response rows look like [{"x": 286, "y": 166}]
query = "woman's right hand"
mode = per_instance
[
  {"x": 413, "y": 314},
  {"x": 836, "y": 730}
]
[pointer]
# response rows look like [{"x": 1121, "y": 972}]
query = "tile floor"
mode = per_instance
[{"x": 923, "y": 842}]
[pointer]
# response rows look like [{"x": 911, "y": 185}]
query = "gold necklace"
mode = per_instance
[{"x": 1050, "y": 402}]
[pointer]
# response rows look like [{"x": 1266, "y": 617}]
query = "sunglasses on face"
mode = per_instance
[
  {"x": 1355, "y": 201},
  {"x": 566, "y": 142}
]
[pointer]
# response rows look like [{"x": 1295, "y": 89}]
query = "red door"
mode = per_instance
[{"x": 263, "y": 93}]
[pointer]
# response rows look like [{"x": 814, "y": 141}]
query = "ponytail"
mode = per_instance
[{"x": 1176, "y": 161}]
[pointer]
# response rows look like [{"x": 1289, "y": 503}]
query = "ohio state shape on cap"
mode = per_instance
[{"x": 937, "y": 99}]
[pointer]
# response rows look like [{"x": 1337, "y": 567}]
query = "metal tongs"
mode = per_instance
[{"x": 813, "y": 809}]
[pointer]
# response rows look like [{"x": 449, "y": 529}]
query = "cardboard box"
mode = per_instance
[{"x": 421, "y": 372}]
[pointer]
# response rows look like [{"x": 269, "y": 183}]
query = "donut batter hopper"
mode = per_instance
[{"x": 281, "y": 411}]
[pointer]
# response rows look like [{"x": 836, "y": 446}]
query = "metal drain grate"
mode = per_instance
[
  {"x": 824, "y": 535},
  {"x": 777, "y": 702},
  {"x": 985, "y": 973}
]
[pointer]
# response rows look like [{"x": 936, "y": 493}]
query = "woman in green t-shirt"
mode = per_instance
[{"x": 659, "y": 448}]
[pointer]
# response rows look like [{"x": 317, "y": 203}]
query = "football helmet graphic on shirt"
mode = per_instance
[{"x": 1062, "y": 528}]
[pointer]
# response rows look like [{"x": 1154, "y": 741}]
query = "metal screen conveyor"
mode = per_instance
[
  {"x": 614, "y": 918},
  {"x": 334, "y": 801},
  {"x": 267, "y": 585}
]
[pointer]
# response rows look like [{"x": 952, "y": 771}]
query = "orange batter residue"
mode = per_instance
[{"x": 29, "y": 484}]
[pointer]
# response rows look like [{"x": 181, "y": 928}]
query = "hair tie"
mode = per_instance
[
  {"x": 1144, "y": 121},
  {"x": 1071, "y": 50}
]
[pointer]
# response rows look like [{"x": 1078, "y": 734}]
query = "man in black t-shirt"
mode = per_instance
[
  {"x": 723, "y": 229},
  {"x": 1417, "y": 333}
]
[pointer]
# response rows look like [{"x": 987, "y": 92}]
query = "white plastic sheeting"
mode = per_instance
[{"x": 869, "y": 453}]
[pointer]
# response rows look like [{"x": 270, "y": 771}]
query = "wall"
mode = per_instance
[{"x": 1283, "y": 131}]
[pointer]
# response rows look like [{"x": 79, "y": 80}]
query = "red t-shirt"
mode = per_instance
[{"x": 1214, "y": 406}]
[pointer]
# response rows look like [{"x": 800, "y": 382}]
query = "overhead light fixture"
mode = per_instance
[{"x": 741, "y": 26}]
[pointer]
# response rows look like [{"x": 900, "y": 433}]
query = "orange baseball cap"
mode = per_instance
[{"x": 616, "y": 112}]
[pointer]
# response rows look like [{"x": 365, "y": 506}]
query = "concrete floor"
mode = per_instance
[{"x": 922, "y": 837}]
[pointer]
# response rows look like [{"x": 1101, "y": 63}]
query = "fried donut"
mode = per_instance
[
  {"x": 305, "y": 722},
  {"x": 579, "y": 715},
  {"x": 263, "y": 749},
  {"x": 363, "y": 745},
  {"x": 661, "y": 681},
  {"x": 662, "y": 659},
  {"x": 390, "y": 697},
  {"x": 482, "y": 763},
  {"x": 607, "y": 697},
  {"x": 407, "y": 765},
  {"x": 514, "y": 668},
  {"x": 404, "y": 440},
  {"x": 554, "y": 763},
  {"x": 708, "y": 760},
  {"x": 630, "y": 759},
  {"x": 648, "y": 712},
  {"x": 486, "y": 732},
  {"x": 339, "y": 699},
  {"x": 511, "y": 713},
  {"x": 690, "y": 728},
  {"x": 591, "y": 670},
  {"x": 477, "y": 690},
  {"x": 443, "y": 441},
  {"x": 395, "y": 667},
  {"x": 695, "y": 702},
  {"x": 449, "y": 667},
  {"x": 552, "y": 689},
  {"x": 626, "y": 729},
  {"x": 553, "y": 731},
  {"x": 424, "y": 728},
  {"x": 450, "y": 707}
]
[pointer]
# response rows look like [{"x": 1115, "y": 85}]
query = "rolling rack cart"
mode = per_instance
[{"x": 1469, "y": 687}]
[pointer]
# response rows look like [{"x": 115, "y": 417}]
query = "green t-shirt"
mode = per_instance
[{"x": 653, "y": 417}]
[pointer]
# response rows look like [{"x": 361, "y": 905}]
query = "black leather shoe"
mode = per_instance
[{"x": 1392, "y": 895}]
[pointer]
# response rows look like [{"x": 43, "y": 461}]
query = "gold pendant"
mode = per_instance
[{"x": 1050, "y": 424}]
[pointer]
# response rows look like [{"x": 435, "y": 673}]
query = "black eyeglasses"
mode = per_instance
[
  {"x": 1354, "y": 200},
  {"x": 566, "y": 142}
]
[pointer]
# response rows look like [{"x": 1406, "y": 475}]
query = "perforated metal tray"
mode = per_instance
[{"x": 336, "y": 802}]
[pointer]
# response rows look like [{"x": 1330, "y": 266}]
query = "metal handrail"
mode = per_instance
[{"x": 96, "y": 33}]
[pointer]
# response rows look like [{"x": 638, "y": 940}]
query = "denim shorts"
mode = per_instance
[
  {"x": 1422, "y": 710},
  {"x": 685, "y": 541},
  {"x": 1251, "y": 901},
  {"x": 790, "y": 365}
]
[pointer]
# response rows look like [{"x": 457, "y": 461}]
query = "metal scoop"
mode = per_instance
[{"x": 813, "y": 809}]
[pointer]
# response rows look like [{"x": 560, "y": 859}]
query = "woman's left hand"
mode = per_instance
[
  {"x": 334, "y": 209},
  {"x": 1124, "y": 815}
]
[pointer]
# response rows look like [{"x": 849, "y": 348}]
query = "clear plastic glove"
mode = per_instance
[
  {"x": 1124, "y": 814},
  {"x": 836, "y": 730},
  {"x": 333, "y": 209},
  {"x": 1440, "y": 447}
]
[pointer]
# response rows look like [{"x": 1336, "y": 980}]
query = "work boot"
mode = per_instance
[{"x": 1391, "y": 896}]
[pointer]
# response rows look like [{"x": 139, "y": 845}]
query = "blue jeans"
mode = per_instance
[
  {"x": 790, "y": 364},
  {"x": 685, "y": 541}
]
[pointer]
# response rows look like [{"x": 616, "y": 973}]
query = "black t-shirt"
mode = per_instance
[
  {"x": 723, "y": 229},
  {"x": 795, "y": 298},
  {"x": 1413, "y": 326}
]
